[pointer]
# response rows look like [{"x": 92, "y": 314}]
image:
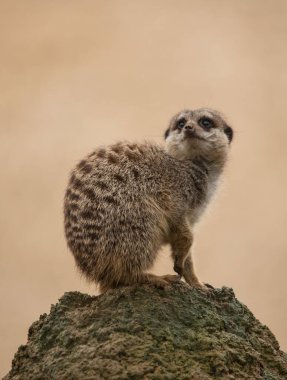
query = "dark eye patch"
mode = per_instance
[
  {"x": 181, "y": 123},
  {"x": 166, "y": 133},
  {"x": 229, "y": 132},
  {"x": 206, "y": 123},
  {"x": 176, "y": 125}
]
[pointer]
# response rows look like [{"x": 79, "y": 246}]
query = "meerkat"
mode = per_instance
[{"x": 125, "y": 201}]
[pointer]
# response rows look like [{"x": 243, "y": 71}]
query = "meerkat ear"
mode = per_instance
[
  {"x": 166, "y": 133},
  {"x": 229, "y": 132}
]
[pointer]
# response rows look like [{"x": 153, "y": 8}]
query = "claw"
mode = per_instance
[{"x": 209, "y": 286}]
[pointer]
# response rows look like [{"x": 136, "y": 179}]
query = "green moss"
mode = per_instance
[{"x": 147, "y": 333}]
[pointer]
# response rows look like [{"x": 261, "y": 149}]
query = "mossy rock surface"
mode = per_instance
[{"x": 147, "y": 333}]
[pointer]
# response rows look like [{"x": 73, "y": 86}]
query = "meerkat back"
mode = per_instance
[{"x": 111, "y": 226}]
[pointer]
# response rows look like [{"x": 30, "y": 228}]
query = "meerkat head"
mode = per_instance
[{"x": 201, "y": 132}]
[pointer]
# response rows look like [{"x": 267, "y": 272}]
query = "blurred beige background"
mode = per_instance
[{"x": 77, "y": 74}]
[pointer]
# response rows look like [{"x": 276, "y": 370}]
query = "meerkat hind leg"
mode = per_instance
[
  {"x": 158, "y": 281},
  {"x": 144, "y": 278},
  {"x": 171, "y": 278}
]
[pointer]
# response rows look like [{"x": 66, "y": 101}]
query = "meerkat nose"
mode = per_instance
[{"x": 189, "y": 127}]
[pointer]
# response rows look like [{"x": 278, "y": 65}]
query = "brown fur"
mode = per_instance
[{"x": 125, "y": 201}]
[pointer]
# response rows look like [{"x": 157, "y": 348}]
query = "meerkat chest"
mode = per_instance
[{"x": 198, "y": 207}]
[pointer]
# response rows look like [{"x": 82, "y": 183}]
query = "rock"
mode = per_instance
[{"x": 143, "y": 332}]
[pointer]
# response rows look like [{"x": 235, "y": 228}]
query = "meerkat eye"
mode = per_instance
[
  {"x": 181, "y": 123},
  {"x": 206, "y": 123}
]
